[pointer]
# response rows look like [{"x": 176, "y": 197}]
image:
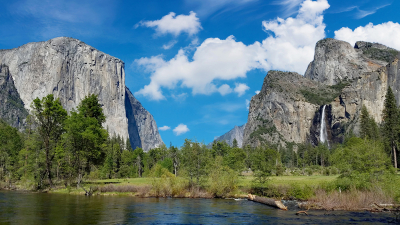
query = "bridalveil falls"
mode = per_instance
[{"x": 323, "y": 134}]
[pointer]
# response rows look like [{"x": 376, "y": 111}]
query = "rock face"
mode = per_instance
[
  {"x": 289, "y": 107},
  {"x": 11, "y": 106},
  {"x": 236, "y": 133},
  {"x": 71, "y": 70},
  {"x": 145, "y": 126},
  {"x": 280, "y": 113}
]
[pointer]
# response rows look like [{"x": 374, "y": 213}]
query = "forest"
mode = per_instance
[{"x": 63, "y": 150}]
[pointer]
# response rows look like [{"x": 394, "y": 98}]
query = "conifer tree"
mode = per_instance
[
  {"x": 235, "y": 143},
  {"x": 391, "y": 124},
  {"x": 369, "y": 128}
]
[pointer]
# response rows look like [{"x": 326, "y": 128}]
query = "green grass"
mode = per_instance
[
  {"x": 316, "y": 180},
  {"x": 133, "y": 181},
  {"x": 244, "y": 181}
]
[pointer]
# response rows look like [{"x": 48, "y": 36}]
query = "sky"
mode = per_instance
[{"x": 196, "y": 64}]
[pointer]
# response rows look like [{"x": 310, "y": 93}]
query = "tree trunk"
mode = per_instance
[
  {"x": 268, "y": 201},
  {"x": 48, "y": 163},
  {"x": 394, "y": 157}
]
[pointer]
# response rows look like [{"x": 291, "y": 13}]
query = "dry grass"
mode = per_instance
[
  {"x": 349, "y": 200},
  {"x": 197, "y": 192},
  {"x": 141, "y": 190}
]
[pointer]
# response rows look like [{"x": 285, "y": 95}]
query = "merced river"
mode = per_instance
[{"x": 35, "y": 208}]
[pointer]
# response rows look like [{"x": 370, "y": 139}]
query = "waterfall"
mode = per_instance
[{"x": 323, "y": 134}]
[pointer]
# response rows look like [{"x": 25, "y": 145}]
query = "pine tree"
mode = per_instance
[
  {"x": 369, "y": 128},
  {"x": 235, "y": 143},
  {"x": 391, "y": 124}
]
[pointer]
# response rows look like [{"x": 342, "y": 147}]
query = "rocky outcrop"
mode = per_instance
[
  {"x": 236, "y": 133},
  {"x": 71, "y": 70},
  {"x": 336, "y": 60},
  {"x": 280, "y": 113},
  {"x": 145, "y": 126},
  {"x": 11, "y": 106},
  {"x": 288, "y": 109}
]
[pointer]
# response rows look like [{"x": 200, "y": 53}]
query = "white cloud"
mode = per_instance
[
  {"x": 180, "y": 129},
  {"x": 247, "y": 104},
  {"x": 180, "y": 97},
  {"x": 175, "y": 25},
  {"x": 386, "y": 33},
  {"x": 224, "y": 89},
  {"x": 164, "y": 128},
  {"x": 364, "y": 13},
  {"x": 241, "y": 88},
  {"x": 208, "y": 7},
  {"x": 257, "y": 92},
  {"x": 169, "y": 45},
  {"x": 290, "y": 6},
  {"x": 291, "y": 48}
]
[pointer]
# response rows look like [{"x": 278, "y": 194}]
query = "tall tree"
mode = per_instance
[
  {"x": 50, "y": 116},
  {"x": 369, "y": 128},
  {"x": 139, "y": 157},
  {"x": 391, "y": 124},
  {"x": 85, "y": 135},
  {"x": 235, "y": 143},
  {"x": 194, "y": 159}
]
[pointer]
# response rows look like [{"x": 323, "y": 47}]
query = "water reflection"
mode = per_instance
[{"x": 31, "y": 208}]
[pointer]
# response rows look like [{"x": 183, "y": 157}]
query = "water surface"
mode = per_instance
[{"x": 34, "y": 208}]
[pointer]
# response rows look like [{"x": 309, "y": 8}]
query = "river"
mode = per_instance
[{"x": 34, "y": 208}]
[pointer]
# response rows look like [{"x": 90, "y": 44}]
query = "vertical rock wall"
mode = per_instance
[{"x": 71, "y": 70}]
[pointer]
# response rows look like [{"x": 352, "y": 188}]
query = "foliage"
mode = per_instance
[
  {"x": 361, "y": 162},
  {"x": 387, "y": 55},
  {"x": 50, "y": 117},
  {"x": 222, "y": 179},
  {"x": 265, "y": 160},
  {"x": 368, "y": 126},
  {"x": 323, "y": 95},
  {"x": 390, "y": 128}
]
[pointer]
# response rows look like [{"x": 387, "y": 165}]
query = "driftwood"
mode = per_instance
[
  {"x": 267, "y": 201},
  {"x": 300, "y": 212}
]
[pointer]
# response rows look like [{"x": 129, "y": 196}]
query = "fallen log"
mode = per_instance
[
  {"x": 300, "y": 212},
  {"x": 267, "y": 201}
]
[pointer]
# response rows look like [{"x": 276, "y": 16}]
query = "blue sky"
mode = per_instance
[{"x": 195, "y": 64}]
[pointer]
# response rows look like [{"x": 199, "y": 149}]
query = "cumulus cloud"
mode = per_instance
[
  {"x": 241, "y": 88},
  {"x": 180, "y": 129},
  {"x": 224, "y": 89},
  {"x": 386, "y": 33},
  {"x": 257, "y": 92},
  {"x": 289, "y": 47},
  {"x": 247, "y": 104},
  {"x": 164, "y": 128},
  {"x": 175, "y": 25}
]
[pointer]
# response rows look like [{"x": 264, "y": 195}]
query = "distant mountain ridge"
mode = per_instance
[{"x": 236, "y": 133}]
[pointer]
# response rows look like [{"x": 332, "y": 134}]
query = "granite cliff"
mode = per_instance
[
  {"x": 289, "y": 106},
  {"x": 236, "y": 133},
  {"x": 71, "y": 70},
  {"x": 11, "y": 106}
]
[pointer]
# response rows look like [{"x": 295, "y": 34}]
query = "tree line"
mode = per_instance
[{"x": 67, "y": 148}]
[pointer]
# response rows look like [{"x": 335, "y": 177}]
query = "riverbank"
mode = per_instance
[{"x": 312, "y": 192}]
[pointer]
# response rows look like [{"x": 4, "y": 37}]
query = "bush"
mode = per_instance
[
  {"x": 280, "y": 169},
  {"x": 165, "y": 184},
  {"x": 223, "y": 180},
  {"x": 300, "y": 193}
]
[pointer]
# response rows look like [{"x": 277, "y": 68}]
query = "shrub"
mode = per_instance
[
  {"x": 223, "y": 179},
  {"x": 300, "y": 193}
]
